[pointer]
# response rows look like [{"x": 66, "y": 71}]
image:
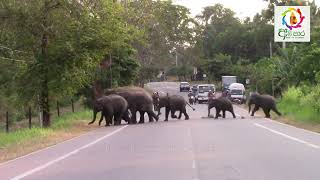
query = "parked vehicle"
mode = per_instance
[
  {"x": 227, "y": 81},
  {"x": 237, "y": 93},
  {"x": 184, "y": 86},
  {"x": 202, "y": 92}
]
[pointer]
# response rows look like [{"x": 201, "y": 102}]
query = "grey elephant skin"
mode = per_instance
[
  {"x": 221, "y": 104},
  {"x": 111, "y": 107},
  {"x": 266, "y": 102},
  {"x": 138, "y": 100},
  {"x": 172, "y": 104}
]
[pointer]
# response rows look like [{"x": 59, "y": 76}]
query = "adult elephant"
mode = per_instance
[
  {"x": 172, "y": 104},
  {"x": 266, "y": 102},
  {"x": 138, "y": 100},
  {"x": 221, "y": 104},
  {"x": 111, "y": 107}
]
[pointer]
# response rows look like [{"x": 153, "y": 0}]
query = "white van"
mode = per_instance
[
  {"x": 202, "y": 92},
  {"x": 237, "y": 92}
]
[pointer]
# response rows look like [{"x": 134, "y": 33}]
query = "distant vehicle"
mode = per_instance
[
  {"x": 202, "y": 92},
  {"x": 237, "y": 92},
  {"x": 184, "y": 86},
  {"x": 227, "y": 80}
]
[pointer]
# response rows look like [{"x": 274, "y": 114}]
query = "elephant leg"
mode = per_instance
[
  {"x": 141, "y": 121},
  {"x": 134, "y": 116},
  {"x": 217, "y": 113},
  {"x": 256, "y": 108},
  {"x": 152, "y": 116},
  {"x": 209, "y": 111},
  {"x": 125, "y": 116},
  {"x": 232, "y": 112},
  {"x": 180, "y": 114},
  {"x": 276, "y": 111},
  {"x": 186, "y": 116},
  {"x": 167, "y": 113},
  {"x": 108, "y": 120},
  {"x": 266, "y": 112},
  {"x": 224, "y": 113},
  {"x": 117, "y": 119},
  {"x": 173, "y": 111}
]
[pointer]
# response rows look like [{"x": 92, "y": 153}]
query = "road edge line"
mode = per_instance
[
  {"x": 288, "y": 125},
  {"x": 287, "y": 136},
  {"x": 34, "y": 170}
]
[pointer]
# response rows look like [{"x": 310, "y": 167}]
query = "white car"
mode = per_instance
[
  {"x": 202, "y": 92},
  {"x": 237, "y": 92}
]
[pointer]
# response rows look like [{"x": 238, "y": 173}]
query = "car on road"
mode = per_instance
[
  {"x": 202, "y": 92},
  {"x": 237, "y": 93},
  {"x": 184, "y": 86}
]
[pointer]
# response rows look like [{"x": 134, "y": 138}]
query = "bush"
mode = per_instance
[{"x": 302, "y": 104}]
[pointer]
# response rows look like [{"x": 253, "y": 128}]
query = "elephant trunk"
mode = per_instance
[{"x": 94, "y": 116}]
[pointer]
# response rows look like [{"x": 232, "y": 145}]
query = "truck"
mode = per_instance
[{"x": 227, "y": 81}]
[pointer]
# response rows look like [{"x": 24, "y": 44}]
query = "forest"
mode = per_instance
[{"x": 57, "y": 50}]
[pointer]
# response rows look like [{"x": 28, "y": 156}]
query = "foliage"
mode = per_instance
[{"x": 302, "y": 103}]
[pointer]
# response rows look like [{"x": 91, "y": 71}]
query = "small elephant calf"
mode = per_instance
[
  {"x": 112, "y": 106},
  {"x": 221, "y": 104}
]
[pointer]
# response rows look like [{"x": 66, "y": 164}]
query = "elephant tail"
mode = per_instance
[{"x": 190, "y": 106}]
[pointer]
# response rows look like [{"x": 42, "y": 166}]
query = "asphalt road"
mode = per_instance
[{"x": 197, "y": 149}]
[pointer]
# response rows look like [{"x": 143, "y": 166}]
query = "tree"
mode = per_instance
[{"x": 66, "y": 40}]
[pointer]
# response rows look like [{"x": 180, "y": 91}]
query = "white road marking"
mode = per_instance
[
  {"x": 39, "y": 168},
  {"x": 38, "y": 151},
  {"x": 193, "y": 164},
  {"x": 288, "y": 137},
  {"x": 288, "y": 125}
]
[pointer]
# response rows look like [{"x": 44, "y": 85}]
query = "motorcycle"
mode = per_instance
[{"x": 192, "y": 100}]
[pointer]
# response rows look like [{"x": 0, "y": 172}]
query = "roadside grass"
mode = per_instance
[
  {"x": 300, "y": 113},
  {"x": 24, "y": 141}
]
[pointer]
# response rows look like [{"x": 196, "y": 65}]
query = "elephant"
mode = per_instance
[
  {"x": 138, "y": 100},
  {"x": 221, "y": 104},
  {"x": 172, "y": 104},
  {"x": 266, "y": 102},
  {"x": 111, "y": 106}
]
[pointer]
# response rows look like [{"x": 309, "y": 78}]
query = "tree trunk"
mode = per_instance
[{"x": 44, "y": 93}]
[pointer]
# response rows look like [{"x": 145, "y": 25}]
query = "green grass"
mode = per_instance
[
  {"x": 299, "y": 113},
  {"x": 63, "y": 122}
]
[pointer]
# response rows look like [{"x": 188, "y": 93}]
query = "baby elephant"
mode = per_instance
[
  {"x": 266, "y": 102},
  {"x": 221, "y": 104},
  {"x": 112, "y": 106}
]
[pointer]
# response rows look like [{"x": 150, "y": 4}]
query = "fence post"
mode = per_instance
[
  {"x": 30, "y": 116},
  {"x": 72, "y": 105},
  {"x": 7, "y": 121},
  {"x": 58, "y": 110}
]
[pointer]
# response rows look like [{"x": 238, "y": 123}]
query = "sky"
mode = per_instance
[{"x": 243, "y": 8}]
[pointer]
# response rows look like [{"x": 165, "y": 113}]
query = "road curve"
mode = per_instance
[{"x": 198, "y": 149}]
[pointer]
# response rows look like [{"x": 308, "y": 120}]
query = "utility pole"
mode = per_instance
[
  {"x": 283, "y": 45},
  {"x": 270, "y": 46},
  {"x": 110, "y": 59}
]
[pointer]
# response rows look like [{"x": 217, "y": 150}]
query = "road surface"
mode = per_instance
[{"x": 197, "y": 149}]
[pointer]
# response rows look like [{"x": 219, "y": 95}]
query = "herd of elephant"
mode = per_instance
[{"x": 123, "y": 103}]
